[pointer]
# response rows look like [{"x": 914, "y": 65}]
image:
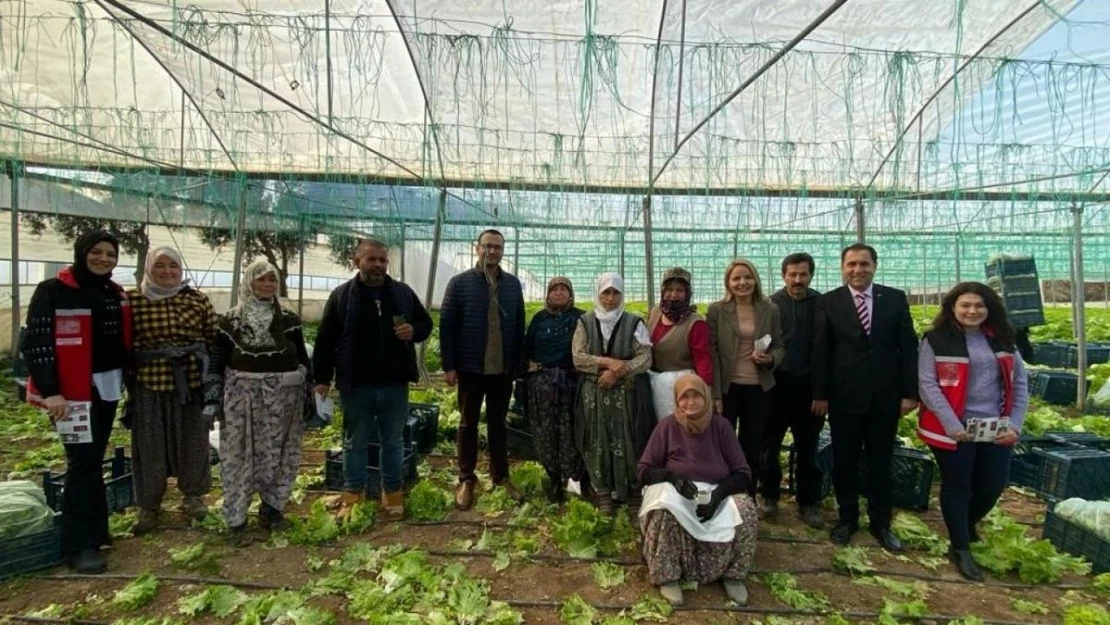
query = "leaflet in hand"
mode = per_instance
[
  {"x": 763, "y": 343},
  {"x": 76, "y": 427},
  {"x": 986, "y": 430}
]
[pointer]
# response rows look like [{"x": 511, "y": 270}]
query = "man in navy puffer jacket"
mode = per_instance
[{"x": 481, "y": 336}]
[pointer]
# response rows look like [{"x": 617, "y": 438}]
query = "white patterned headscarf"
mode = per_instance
[
  {"x": 255, "y": 315},
  {"x": 608, "y": 319},
  {"x": 150, "y": 289}
]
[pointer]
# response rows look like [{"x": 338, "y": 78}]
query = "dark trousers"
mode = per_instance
[
  {"x": 972, "y": 479},
  {"x": 496, "y": 391},
  {"x": 790, "y": 409},
  {"x": 85, "y": 522},
  {"x": 746, "y": 406},
  {"x": 872, "y": 434}
]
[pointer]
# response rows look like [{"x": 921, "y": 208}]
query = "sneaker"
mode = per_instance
[
  {"x": 811, "y": 516},
  {"x": 672, "y": 592},
  {"x": 194, "y": 508},
  {"x": 88, "y": 562},
  {"x": 148, "y": 520},
  {"x": 736, "y": 591},
  {"x": 270, "y": 518}
]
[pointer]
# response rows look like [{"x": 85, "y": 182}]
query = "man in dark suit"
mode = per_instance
[{"x": 865, "y": 378}]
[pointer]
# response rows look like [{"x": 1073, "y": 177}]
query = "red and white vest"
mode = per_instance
[
  {"x": 953, "y": 371},
  {"x": 73, "y": 343}
]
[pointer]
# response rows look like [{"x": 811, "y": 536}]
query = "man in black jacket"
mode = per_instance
[
  {"x": 481, "y": 338},
  {"x": 792, "y": 396},
  {"x": 366, "y": 341},
  {"x": 865, "y": 378}
]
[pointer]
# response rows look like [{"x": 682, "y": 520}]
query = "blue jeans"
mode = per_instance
[{"x": 365, "y": 407}]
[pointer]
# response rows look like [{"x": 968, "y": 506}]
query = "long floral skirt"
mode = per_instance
[{"x": 673, "y": 555}]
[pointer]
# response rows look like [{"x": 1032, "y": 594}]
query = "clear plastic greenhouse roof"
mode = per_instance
[{"x": 545, "y": 92}]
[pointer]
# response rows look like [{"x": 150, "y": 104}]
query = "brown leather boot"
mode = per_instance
[
  {"x": 393, "y": 505},
  {"x": 347, "y": 502},
  {"x": 464, "y": 495}
]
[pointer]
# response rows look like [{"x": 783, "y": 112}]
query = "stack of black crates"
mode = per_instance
[
  {"x": 418, "y": 437},
  {"x": 1015, "y": 279}
]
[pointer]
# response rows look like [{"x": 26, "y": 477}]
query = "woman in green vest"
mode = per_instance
[{"x": 611, "y": 352}]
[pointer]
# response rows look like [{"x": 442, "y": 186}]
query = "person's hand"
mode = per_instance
[
  {"x": 762, "y": 358},
  {"x": 685, "y": 487},
  {"x": 1007, "y": 438},
  {"x": 451, "y": 378},
  {"x": 819, "y": 407},
  {"x": 960, "y": 437},
  {"x": 607, "y": 379},
  {"x": 56, "y": 407},
  {"x": 403, "y": 331},
  {"x": 718, "y": 406},
  {"x": 908, "y": 406},
  {"x": 322, "y": 389},
  {"x": 706, "y": 510},
  {"x": 608, "y": 364}
]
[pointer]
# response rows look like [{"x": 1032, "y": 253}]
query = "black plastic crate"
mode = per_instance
[
  {"x": 1074, "y": 472},
  {"x": 333, "y": 472},
  {"x": 427, "y": 429},
  {"x": 1097, "y": 353},
  {"x": 1012, "y": 267},
  {"x": 118, "y": 482},
  {"x": 1080, "y": 439},
  {"x": 1027, "y": 318},
  {"x": 1056, "y": 387},
  {"x": 520, "y": 443},
  {"x": 1077, "y": 540},
  {"x": 1020, "y": 285},
  {"x": 1021, "y": 302},
  {"x": 912, "y": 472},
  {"x": 1051, "y": 354},
  {"x": 24, "y": 554},
  {"x": 1025, "y": 466}
]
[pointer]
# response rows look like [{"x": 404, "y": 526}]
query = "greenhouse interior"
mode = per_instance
[{"x": 625, "y": 137}]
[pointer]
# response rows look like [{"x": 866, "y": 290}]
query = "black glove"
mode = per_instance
[
  {"x": 685, "y": 487},
  {"x": 707, "y": 510}
]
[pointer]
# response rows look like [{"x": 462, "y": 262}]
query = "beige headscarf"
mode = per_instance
[
  {"x": 558, "y": 281},
  {"x": 698, "y": 423},
  {"x": 152, "y": 291}
]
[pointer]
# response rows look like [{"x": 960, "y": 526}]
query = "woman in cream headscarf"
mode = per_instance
[
  {"x": 551, "y": 383},
  {"x": 699, "y": 523},
  {"x": 260, "y": 371},
  {"x": 611, "y": 352},
  {"x": 175, "y": 329}
]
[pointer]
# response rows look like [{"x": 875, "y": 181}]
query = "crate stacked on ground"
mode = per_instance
[
  {"x": 418, "y": 436},
  {"x": 519, "y": 430},
  {"x": 32, "y": 551},
  {"x": 912, "y": 472},
  {"x": 1025, "y": 464},
  {"x": 1078, "y": 467},
  {"x": 1077, "y": 540},
  {"x": 1056, "y": 387},
  {"x": 1052, "y": 353},
  {"x": 119, "y": 484},
  {"x": 1097, "y": 353},
  {"x": 1015, "y": 279}
]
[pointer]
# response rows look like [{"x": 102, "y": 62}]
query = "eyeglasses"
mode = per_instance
[{"x": 492, "y": 247}]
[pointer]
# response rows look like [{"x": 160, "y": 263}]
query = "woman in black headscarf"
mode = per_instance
[{"x": 76, "y": 346}]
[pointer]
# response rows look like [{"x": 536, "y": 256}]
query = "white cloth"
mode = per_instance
[
  {"x": 608, "y": 319},
  {"x": 109, "y": 384},
  {"x": 719, "y": 529},
  {"x": 662, "y": 390}
]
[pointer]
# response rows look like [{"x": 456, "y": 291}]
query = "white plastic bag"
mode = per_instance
[{"x": 662, "y": 391}]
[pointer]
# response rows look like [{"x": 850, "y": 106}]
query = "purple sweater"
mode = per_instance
[
  {"x": 984, "y": 385},
  {"x": 710, "y": 456}
]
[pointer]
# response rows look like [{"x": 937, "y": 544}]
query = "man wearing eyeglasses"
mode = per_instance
[{"x": 481, "y": 336}]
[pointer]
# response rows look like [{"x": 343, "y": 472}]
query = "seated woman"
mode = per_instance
[
  {"x": 614, "y": 415},
  {"x": 970, "y": 375},
  {"x": 699, "y": 522}
]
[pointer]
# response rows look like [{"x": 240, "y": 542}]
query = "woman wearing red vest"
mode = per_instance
[
  {"x": 76, "y": 347},
  {"x": 969, "y": 373}
]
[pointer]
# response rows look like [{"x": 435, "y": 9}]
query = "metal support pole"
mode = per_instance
[
  {"x": 649, "y": 258},
  {"x": 17, "y": 318},
  {"x": 300, "y": 279},
  {"x": 402, "y": 259},
  {"x": 1078, "y": 305},
  {"x": 516, "y": 251},
  {"x": 327, "y": 54},
  {"x": 861, "y": 226},
  {"x": 240, "y": 231},
  {"x": 437, "y": 235},
  {"x": 958, "y": 280}
]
